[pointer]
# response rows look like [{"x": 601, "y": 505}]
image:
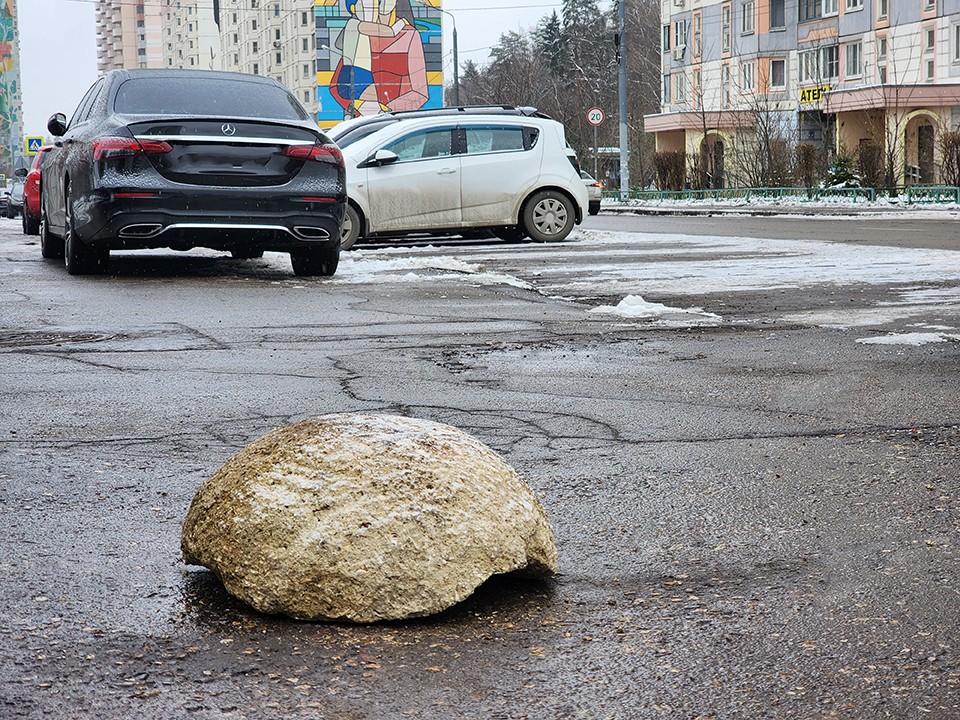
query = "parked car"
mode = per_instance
[
  {"x": 594, "y": 191},
  {"x": 190, "y": 158},
  {"x": 30, "y": 217},
  {"x": 514, "y": 175},
  {"x": 15, "y": 195},
  {"x": 349, "y": 131}
]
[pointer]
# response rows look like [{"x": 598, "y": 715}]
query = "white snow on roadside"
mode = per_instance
[
  {"x": 634, "y": 306},
  {"x": 915, "y": 339},
  {"x": 392, "y": 267}
]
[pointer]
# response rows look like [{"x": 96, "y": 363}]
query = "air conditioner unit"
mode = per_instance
[
  {"x": 679, "y": 3},
  {"x": 678, "y": 52}
]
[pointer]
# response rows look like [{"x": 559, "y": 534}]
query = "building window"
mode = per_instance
[
  {"x": 276, "y": 10},
  {"x": 852, "y": 5},
  {"x": 304, "y": 18},
  {"x": 830, "y": 62},
  {"x": 929, "y": 5},
  {"x": 810, "y": 9},
  {"x": 666, "y": 38},
  {"x": 666, "y": 90},
  {"x": 253, "y": 24},
  {"x": 929, "y": 40},
  {"x": 955, "y": 36},
  {"x": 882, "y": 59},
  {"x": 680, "y": 33},
  {"x": 255, "y": 47},
  {"x": 697, "y": 35},
  {"x": 778, "y": 74},
  {"x": 882, "y": 9},
  {"x": 746, "y": 20},
  {"x": 726, "y": 42},
  {"x": 306, "y": 96},
  {"x": 819, "y": 64},
  {"x": 929, "y": 70},
  {"x": 830, "y": 8},
  {"x": 279, "y": 59},
  {"x": 853, "y": 54},
  {"x": 680, "y": 87},
  {"x": 306, "y": 45},
  {"x": 256, "y": 68},
  {"x": 778, "y": 15},
  {"x": 725, "y": 85},
  {"x": 306, "y": 71},
  {"x": 747, "y": 70}
]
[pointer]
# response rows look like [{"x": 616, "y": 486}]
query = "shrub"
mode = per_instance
[{"x": 670, "y": 167}]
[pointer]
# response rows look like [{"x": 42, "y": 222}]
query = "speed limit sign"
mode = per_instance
[{"x": 595, "y": 116}]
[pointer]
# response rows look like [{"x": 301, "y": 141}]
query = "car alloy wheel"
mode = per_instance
[{"x": 548, "y": 216}]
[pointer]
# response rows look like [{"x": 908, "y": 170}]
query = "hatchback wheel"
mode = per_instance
[
  {"x": 80, "y": 259},
  {"x": 315, "y": 261},
  {"x": 548, "y": 216},
  {"x": 51, "y": 246},
  {"x": 351, "y": 228}
]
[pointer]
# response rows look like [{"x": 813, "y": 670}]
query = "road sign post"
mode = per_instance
[
  {"x": 595, "y": 117},
  {"x": 32, "y": 144}
]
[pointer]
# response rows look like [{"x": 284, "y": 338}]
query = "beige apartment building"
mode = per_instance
[
  {"x": 129, "y": 34},
  {"x": 875, "y": 79},
  {"x": 276, "y": 38},
  {"x": 191, "y": 35}
]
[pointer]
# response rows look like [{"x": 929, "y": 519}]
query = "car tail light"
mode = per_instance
[
  {"x": 318, "y": 153},
  {"x": 108, "y": 148}
]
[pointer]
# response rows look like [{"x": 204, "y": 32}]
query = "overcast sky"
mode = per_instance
[{"x": 58, "y": 54}]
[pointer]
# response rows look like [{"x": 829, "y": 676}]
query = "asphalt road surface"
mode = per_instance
[{"x": 746, "y": 436}]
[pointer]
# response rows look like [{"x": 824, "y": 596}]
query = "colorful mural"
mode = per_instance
[
  {"x": 9, "y": 85},
  {"x": 377, "y": 55}
]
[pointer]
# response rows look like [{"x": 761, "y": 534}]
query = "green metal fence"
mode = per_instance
[{"x": 910, "y": 195}]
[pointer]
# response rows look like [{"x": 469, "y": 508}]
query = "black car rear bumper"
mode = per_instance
[{"x": 124, "y": 219}]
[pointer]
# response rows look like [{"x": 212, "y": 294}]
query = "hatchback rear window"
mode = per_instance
[{"x": 206, "y": 96}]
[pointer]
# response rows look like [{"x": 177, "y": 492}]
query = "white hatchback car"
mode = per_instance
[{"x": 513, "y": 175}]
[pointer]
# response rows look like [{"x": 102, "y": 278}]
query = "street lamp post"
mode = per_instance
[{"x": 622, "y": 91}]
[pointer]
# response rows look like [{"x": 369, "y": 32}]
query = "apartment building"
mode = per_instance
[
  {"x": 276, "y": 38},
  {"x": 129, "y": 34},
  {"x": 874, "y": 78},
  {"x": 191, "y": 34}
]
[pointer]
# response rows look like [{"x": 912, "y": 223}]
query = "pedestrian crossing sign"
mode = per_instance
[{"x": 33, "y": 144}]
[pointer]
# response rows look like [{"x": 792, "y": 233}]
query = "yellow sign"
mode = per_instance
[
  {"x": 809, "y": 96},
  {"x": 32, "y": 144}
]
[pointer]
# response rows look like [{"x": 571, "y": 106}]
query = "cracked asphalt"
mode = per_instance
[{"x": 758, "y": 519}]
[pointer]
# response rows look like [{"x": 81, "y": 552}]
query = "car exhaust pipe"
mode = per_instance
[
  {"x": 311, "y": 233},
  {"x": 142, "y": 230}
]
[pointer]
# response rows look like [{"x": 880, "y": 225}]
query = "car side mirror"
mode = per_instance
[
  {"x": 57, "y": 124},
  {"x": 379, "y": 158},
  {"x": 20, "y": 172}
]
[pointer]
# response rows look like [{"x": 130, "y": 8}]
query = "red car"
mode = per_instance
[{"x": 31, "y": 193}]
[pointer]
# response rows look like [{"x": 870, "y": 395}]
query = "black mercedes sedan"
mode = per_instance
[{"x": 191, "y": 158}]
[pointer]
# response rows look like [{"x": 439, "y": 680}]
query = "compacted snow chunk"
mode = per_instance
[{"x": 365, "y": 518}]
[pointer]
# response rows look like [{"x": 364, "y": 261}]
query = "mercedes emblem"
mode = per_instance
[{"x": 228, "y": 129}]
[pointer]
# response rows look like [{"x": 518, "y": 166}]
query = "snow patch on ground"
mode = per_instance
[
  {"x": 634, "y": 306},
  {"x": 390, "y": 267},
  {"x": 915, "y": 339}
]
